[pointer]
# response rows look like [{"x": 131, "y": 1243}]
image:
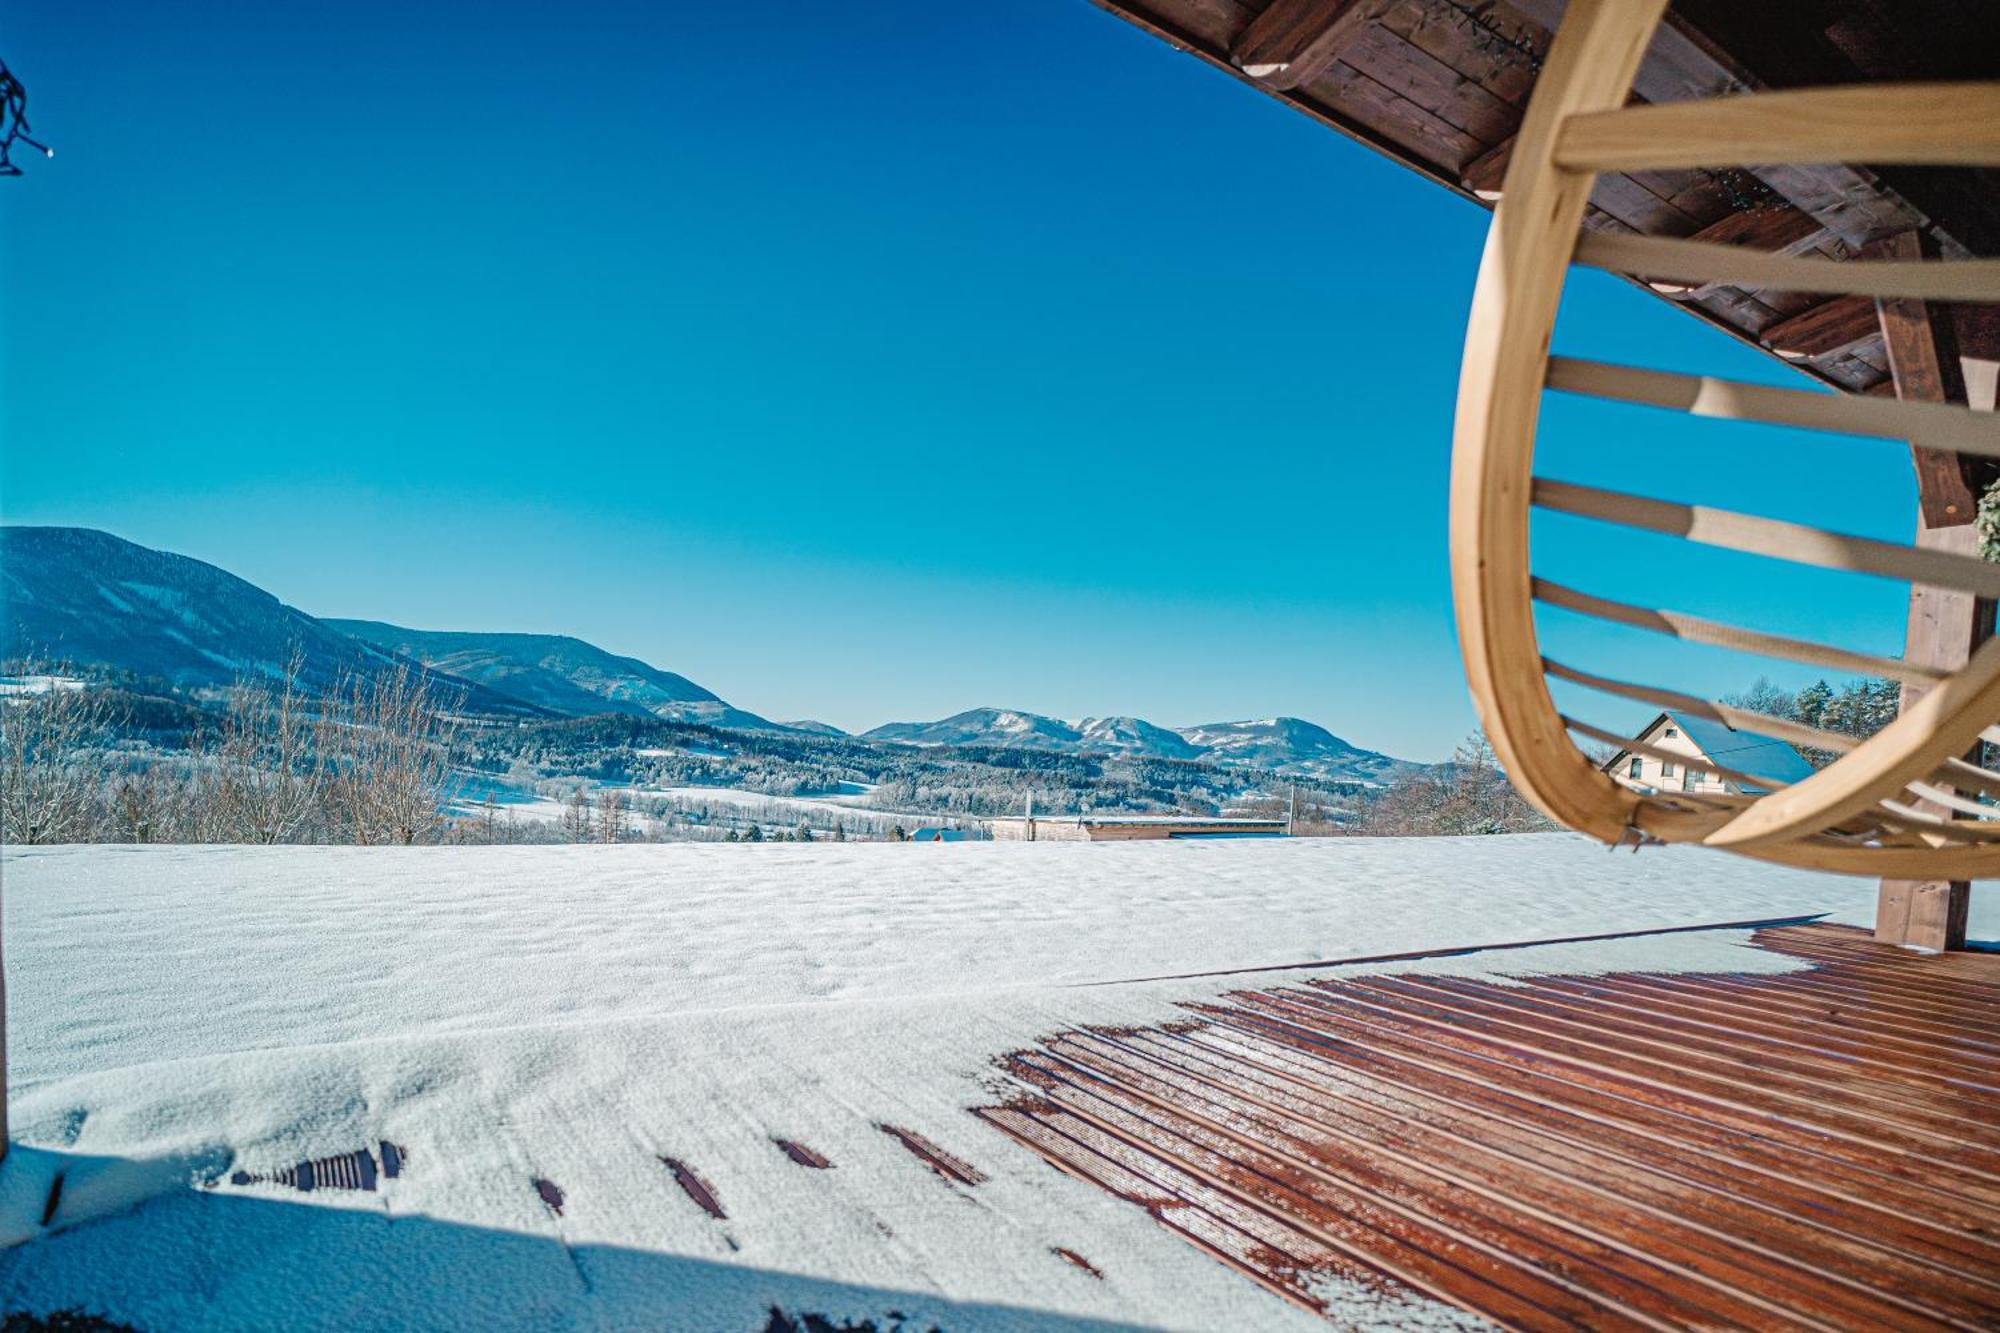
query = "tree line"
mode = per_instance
[{"x": 365, "y": 760}]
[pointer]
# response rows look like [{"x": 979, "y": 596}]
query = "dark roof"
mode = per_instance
[
  {"x": 1729, "y": 747},
  {"x": 1439, "y": 86}
]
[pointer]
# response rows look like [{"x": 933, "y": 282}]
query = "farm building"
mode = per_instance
[
  {"x": 1128, "y": 828},
  {"x": 1693, "y": 754},
  {"x": 933, "y": 834}
]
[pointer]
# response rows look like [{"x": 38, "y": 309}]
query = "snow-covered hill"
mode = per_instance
[
  {"x": 1290, "y": 745},
  {"x": 91, "y": 599},
  {"x": 1286, "y": 745},
  {"x": 1134, "y": 735},
  {"x": 95, "y": 600},
  {"x": 1008, "y": 727},
  {"x": 554, "y": 671}
]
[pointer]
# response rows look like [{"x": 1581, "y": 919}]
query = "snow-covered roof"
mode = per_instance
[{"x": 1728, "y": 747}]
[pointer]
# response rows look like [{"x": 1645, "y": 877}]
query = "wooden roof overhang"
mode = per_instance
[{"x": 1440, "y": 86}]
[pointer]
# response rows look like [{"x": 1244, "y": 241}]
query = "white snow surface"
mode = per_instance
[{"x": 574, "y": 1013}]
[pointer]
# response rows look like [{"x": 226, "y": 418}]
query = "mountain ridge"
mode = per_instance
[
  {"x": 96, "y": 599},
  {"x": 560, "y": 672},
  {"x": 92, "y": 598},
  {"x": 1286, "y": 745}
]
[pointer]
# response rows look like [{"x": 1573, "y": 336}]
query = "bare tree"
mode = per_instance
[
  {"x": 53, "y": 766},
  {"x": 1467, "y": 794},
  {"x": 267, "y": 780},
  {"x": 387, "y": 746},
  {"x": 613, "y": 819},
  {"x": 149, "y": 803},
  {"x": 576, "y": 816}
]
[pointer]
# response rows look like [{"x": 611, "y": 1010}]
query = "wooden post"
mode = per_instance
[{"x": 1943, "y": 627}]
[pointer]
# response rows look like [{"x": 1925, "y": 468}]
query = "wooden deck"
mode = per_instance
[{"x": 1814, "y": 1149}]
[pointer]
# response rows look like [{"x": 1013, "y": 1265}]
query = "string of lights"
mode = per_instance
[{"x": 14, "y": 122}]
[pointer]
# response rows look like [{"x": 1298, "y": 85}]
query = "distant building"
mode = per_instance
[
  {"x": 944, "y": 835},
  {"x": 1702, "y": 751},
  {"x": 1128, "y": 828}
]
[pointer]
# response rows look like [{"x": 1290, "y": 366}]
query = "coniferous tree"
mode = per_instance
[{"x": 1811, "y": 705}]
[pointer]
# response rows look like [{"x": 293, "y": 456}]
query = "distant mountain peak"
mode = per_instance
[{"x": 1286, "y": 745}]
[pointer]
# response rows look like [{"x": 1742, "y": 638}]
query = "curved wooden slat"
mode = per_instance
[
  {"x": 1946, "y": 426},
  {"x": 1772, "y": 537},
  {"x": 1951, "y": 800},
  {"x": 1671, "y": 259},
  {"x": 1981, "y": 862},
  {"x": 1959, "y": 773},
  {"x": 1942, "y": 723},
  {"x": 1589, "y": 67},
  {"x": 1944, "y": 124},
  {"x": 1693, "y": 629},
  {"x": 1940, "y": 832},
  {"x": 1577, "y": 124},
  {"x": 1736, "y": 719}
]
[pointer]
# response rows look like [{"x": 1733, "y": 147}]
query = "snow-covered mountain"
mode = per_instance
[
  {"x": 817, "y": 728},
  {"x": 984, "y": 726},
  {"x": 93, "y": 600},
  {"x": 1287, "y": 745},
  {"x": 1290, "y": 745},
  {"x": 557, "y": 673},
  {"x": 90, "y": 599},
  {"x": 1137, "y": 736}
]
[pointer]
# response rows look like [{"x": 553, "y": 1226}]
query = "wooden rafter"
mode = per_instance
[
  {"x": 1944, "y": 626},
  {"x": 1682, "y": 65},
  {"x": 1483, "y": 174},
  {"x": 1924, "y": 365},
  {"x": 1295, "y": 41},
  {"x": 1826, "y": 329}
]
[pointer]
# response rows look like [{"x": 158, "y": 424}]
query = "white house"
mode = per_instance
[{"x": 1703, "y": 752}]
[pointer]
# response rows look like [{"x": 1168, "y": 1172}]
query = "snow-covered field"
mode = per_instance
[{"x": 573, "y": 1014}]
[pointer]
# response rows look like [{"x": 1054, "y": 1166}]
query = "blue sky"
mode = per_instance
[{"x": 860, "y": 362}]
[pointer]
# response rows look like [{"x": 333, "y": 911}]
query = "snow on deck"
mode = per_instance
[{"x": 616, "y": 1020}]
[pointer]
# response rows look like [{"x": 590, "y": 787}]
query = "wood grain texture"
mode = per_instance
[
  {"x": 1941, "y": 425},
  {"x": 1939, "y": 124},
  {"x": 1295, "y": 41},
  {"x": 1924, "y": 366},
  {"x": 1827, "y": 329},
  {"x": 1622, "y": 1151},
  {"x": 1699, "y": 262},
  {"x": 1589, "y": 66},
  {"x": 1695, "y": 629},
  {"x": 1945, "y": 722},
  {"x": 1775, "y": 538}
]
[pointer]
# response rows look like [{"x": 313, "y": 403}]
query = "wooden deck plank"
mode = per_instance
[{"x": 1818, "y": 1148}]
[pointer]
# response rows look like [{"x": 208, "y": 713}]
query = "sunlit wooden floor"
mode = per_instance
[{"x": 1814, "y": 1149}]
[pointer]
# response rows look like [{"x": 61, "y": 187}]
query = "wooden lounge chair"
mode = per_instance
[{"x": 1901, "y": 803}]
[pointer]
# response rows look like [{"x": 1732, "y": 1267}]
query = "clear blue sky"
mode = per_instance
[{"x": 862, "y": 362}]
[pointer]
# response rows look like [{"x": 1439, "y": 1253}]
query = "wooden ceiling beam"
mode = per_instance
[
  {"x": 1924, "y": 365},
  {"x": 1295, "y": 41},
  {"x": 1681, "y": 64},
  {"x": 1483, "y": 174},
  {"x": 1775, "y": 228},
  {"x": 1825, "y": 329}
]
